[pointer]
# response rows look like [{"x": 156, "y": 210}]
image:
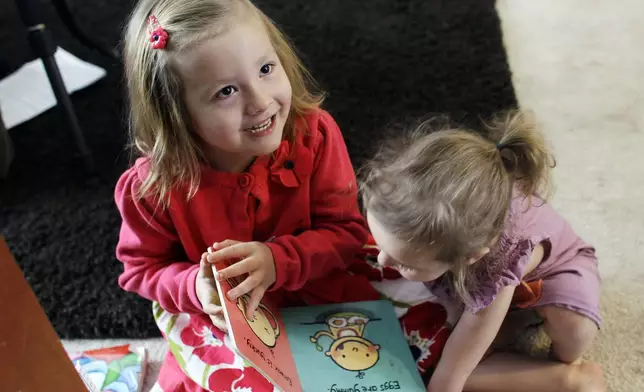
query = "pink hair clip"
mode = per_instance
[{"x": 158, "y": 35}]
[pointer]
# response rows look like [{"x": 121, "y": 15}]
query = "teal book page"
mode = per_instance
[{"x": 350, "y": 347}]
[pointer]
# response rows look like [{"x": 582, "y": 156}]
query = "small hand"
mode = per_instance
[
  {"x": 256, "y": 261},
  {"x": 206, "y": 288}
]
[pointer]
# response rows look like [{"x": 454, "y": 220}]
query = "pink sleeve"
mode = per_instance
[
  {"x": 150, "y": 252},
  {"x": 514, "y": 255},
  {"x": 528, "y": 226},
  {"x": 338, "y": 230}
]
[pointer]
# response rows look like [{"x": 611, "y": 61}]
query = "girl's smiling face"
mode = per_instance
[
  {"x": 237, "y": 93},
  {"x": 412, "y": 264}
]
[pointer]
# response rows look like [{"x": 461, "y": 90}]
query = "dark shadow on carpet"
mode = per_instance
[{"x": 393, "y": 60}]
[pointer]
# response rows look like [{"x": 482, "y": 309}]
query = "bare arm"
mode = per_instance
[{"x": 471, "y": 338}]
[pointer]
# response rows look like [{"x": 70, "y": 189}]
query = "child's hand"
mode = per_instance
[
  {"x": 256, "y": 261},
  {"x": 207, "y": 293}
]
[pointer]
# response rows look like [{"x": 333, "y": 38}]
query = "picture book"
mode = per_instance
[
  {"x": 349, "y": 347},
  {"x": 112, "y": 369}
]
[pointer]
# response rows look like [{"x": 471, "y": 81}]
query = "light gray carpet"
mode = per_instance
[{"x": 579, "y": 64}]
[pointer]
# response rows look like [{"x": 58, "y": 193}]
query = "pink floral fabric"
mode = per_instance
[{"x": 207, "y": 343}]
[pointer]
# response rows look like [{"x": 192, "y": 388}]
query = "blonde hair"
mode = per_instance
[
  {"x": 160, "y": 127},
  {"x": 452, "y": 187}
]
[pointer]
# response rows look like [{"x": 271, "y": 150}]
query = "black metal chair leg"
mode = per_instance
[
  {"x": 60, "y": 91},
  {"x": 6, "y": 150},
  {"x": 43, "y": 46}
]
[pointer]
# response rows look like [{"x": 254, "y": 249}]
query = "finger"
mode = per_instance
[
  {"x": 205, "y": 270},
  {"x": 244, "y": 287},
  {"x": 224, "y": 244},
  {"x": 255, "y": 297},
  {"x": 237, "y": 251},
  {"x": 245, "y": 266}
]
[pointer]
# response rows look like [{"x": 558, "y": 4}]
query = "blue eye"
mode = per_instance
[
  {"x": 266, "y": 69},
  {"x": 225, "y": 92}
]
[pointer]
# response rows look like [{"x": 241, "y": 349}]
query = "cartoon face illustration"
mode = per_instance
[
  {"x": 354, "y": 353},
  {"x": 349, "y": 349},
  {"x": 265, "y": 328}
]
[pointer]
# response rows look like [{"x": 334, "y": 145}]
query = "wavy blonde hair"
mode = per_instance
[
  {"x": 159, "y": 121},
  {"x": 452, "y": 187}
]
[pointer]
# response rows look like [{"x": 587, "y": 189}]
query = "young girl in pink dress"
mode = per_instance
[{"x": 464, "y": 214}]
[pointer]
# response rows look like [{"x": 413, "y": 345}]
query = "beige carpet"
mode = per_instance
[{"x": 579, "y": 64}]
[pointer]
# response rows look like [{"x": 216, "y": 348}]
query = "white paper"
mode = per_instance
[{"x": 27, "y": 93}]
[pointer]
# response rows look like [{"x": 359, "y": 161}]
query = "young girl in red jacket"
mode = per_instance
[{"x": 236, "y": 152}]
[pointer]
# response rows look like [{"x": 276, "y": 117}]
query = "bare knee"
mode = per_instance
[{"x": 571, "y": 333}]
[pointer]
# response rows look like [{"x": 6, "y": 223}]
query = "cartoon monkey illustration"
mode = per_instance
[
  {"x": 261, "y": 324},
  {"x": 349, "y": 349}
]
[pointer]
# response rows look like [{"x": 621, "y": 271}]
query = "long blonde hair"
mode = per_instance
[
  {"x": 452, "y": 187},
  {"x": 159, "y": 121}
]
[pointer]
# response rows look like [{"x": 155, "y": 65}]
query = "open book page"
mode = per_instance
[
  {"x": 357, "y": 347},
  {"x": 261, "y": 340}
]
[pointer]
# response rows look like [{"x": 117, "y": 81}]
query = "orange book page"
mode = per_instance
[{"x": 262, "y": 340}]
